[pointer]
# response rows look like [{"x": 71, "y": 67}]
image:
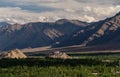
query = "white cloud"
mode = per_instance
[
  {"x": 101, "y": 12},
  {"x": 11, "y": 14},
  {"x": 89, "y": 18},
  {"x": 69, "y": 10}
]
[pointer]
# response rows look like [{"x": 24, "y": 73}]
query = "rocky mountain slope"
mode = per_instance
[
  {"x": 37, "y": 34},
  {"x": 60, "y": 33},
  {"x": 104, "y": 32},
  {"x": 108, "y": 33}
]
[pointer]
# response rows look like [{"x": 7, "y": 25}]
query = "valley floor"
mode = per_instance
[{"x": 84, "y": 66}]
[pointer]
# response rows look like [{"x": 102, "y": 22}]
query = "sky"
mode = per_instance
[{"x": 24, "y": 11}]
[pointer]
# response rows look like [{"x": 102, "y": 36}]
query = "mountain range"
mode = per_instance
[{"x": 61, "y": 33}]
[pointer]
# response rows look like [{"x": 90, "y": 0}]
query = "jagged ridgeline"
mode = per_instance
[{"x": 60, "y": 33}]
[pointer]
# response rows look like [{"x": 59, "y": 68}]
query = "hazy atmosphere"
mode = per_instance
[{"x": 23, "y": 11}]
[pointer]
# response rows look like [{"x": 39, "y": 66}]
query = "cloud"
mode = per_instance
[
  {"x": 101, "y": 12},
  {"x": 17, "y": 15},
  {"x": 99, "y": 2},
  {"x": 89, "y": 18},
  {"x": 23, "y": 11}
]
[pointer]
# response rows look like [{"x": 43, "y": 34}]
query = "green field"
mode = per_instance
[{"x": 84, "y": 66}]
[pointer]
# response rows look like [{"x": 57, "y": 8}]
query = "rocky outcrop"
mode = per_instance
[
  {"x": 58, "y": 55},
  {"x": 16, "y": 53}
]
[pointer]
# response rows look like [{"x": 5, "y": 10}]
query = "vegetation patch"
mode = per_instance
[{"x": 41, "y": 67}]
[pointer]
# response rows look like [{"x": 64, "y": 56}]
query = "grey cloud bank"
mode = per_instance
[{"x": 23, "y": 11}]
